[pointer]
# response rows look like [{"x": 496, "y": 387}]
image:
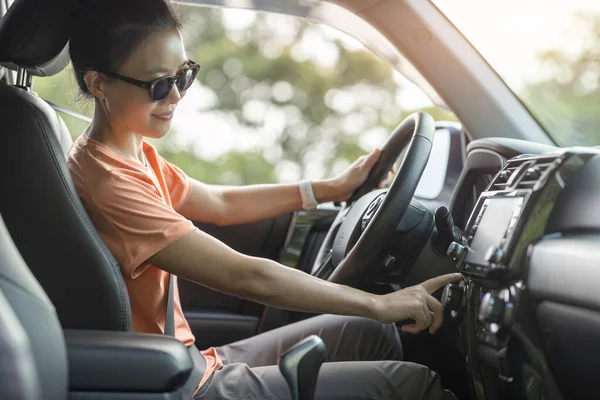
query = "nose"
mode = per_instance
[{"x": 173, "y": 97}]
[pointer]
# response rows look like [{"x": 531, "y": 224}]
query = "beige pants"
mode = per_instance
[{"x": 362, "y": 362}]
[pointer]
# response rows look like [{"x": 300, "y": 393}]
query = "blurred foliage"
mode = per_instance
[
  {"x": 326, "y": 109},
  {"x": 568, "y": 103},
  {"x": 232, "y": 168}
]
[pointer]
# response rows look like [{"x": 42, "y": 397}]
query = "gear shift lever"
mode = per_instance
[{"x": 300, "y": 366}]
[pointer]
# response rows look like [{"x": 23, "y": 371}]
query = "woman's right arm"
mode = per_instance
[{"x": 205, "y": 260}]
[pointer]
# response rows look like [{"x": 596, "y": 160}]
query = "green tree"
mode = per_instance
[{"x": 568, "y": 103}]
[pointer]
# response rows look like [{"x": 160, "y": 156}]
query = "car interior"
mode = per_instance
[{"x": 517, "y": 215}]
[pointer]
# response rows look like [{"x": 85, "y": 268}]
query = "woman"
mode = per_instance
[{"x": 129, "y": 58}]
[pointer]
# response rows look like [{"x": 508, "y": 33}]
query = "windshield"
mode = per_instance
[{"x": 547, "y": 52}]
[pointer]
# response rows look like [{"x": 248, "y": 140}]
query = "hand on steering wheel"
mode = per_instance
[{"x": 363, "y": 225}]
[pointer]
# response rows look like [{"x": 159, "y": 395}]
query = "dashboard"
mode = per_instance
[{"x": 530, "y": 253}]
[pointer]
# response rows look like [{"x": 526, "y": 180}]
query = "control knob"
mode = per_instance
[
  {"x": 456, "y": 250},
  {"x": 491, "y": 309},
  {"x": 452, "y": 297},
  {"x": 496, "y": 310}
]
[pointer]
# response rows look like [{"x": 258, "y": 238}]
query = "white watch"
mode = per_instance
[{"x": 309, "y": 201}]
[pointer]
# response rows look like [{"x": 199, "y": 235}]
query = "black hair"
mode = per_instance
[{"x": 103, "y": 33}]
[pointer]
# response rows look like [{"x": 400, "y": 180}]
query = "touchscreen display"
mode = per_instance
[{"x": 492, "y": 227}]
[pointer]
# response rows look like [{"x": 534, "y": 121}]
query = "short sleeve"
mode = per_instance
[
  {"x": 139, "y": 220},
  {"x": 178, "y": 183}
]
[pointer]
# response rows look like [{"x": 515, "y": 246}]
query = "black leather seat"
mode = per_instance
[
  {"x": 36, "y": 362},
  {"x": 37, "y": 359},
  {"x": 38, "y": 202},
  {"x": 18, "y": 376},
  {"x": 57, "y": 240}
]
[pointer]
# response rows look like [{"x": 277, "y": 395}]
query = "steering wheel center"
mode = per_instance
[{"x": 371, "y": 210}]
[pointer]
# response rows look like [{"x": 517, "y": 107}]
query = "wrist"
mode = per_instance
[
  {"x": 325, "y": 190},
  {"x": 373, "y": 306}
]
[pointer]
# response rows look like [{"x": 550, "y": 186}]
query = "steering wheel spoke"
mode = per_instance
[
  {"x": 324, "y": 254},
  {"x": 326, "y": 267}
]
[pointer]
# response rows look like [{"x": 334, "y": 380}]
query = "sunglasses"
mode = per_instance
[{"x": 161, "y": 87}]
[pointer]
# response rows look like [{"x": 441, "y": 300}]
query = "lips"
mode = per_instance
[{"x": 164, "y": 116}]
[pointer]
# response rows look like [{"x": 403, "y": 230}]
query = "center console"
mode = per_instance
[{"x": 509, "y": 216}]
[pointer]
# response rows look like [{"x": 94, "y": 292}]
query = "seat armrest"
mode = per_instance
[{"x": 111, "y": 361}]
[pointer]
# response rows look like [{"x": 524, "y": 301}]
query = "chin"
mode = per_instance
[{"x": 157, "y": 132}]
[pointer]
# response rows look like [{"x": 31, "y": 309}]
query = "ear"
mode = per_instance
[{"x": 95, "y": 83}]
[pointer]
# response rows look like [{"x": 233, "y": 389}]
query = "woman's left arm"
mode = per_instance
[{"x": 244, "y": 204}]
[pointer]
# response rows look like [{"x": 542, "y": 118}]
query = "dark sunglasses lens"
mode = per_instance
[
  {"x": 186, "y": 80},
  {"x": 161, "y": 89}
]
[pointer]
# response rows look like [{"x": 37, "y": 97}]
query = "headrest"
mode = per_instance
[{"x": 34, "y": 35}]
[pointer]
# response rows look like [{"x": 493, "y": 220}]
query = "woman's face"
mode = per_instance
[{"x": 130, "y": 107}]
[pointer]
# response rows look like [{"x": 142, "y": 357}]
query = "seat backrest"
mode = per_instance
[
  {"x": 28, "y": 321},
  {"x": 18, "y": 375},
  {"x": 38, "y": 200}
]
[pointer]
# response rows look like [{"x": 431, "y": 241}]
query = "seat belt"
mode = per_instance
[
  {"x": 170, "y": 319},
  {"x": 189, "y": 388}
]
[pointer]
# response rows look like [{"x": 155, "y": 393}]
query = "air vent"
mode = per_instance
[
  {"x": 501, "y": 180},
  {"x": 532, "y": 173},
  {"x": 522, "y": 173}
]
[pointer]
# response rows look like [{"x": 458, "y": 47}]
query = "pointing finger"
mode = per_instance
[{"x": 439, "y": 282}]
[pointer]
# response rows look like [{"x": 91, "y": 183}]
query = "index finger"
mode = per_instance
[{"x": 439, "y": 282}]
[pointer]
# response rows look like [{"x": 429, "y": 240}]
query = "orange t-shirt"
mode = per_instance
[{"x": 134, "y": 209}]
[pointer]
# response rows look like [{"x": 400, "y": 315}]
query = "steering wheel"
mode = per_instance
[{"x": 369, "y": 217}]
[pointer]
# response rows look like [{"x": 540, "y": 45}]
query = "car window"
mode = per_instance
[
  {"x": 277, "y": 99},
  {"x": 61, "y": 89},
  {"x": 547, "y": 52}
]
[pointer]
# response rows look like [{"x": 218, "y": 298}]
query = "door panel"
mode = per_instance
[
  {"x": 216, "y": 318},
  {"x": 570, "y": 337}
]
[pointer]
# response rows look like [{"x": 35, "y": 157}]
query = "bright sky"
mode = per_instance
[{"x": 511, "y": 33}]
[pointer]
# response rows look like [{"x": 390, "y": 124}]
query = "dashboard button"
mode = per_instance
[
  {"x": 388, "y": 262},
  {"x": 491, "y": 309},
  {"x": 452, "y": 296},
  {"x": 456, "y": 250}
]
